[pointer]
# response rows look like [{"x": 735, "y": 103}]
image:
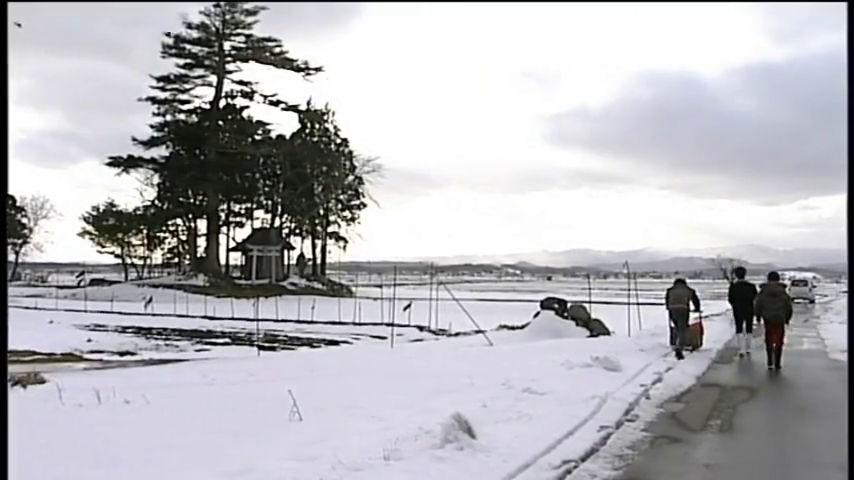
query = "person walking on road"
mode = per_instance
[
  {"x": 678, "y": 300},
  {"x": 741, "y": 296},
  {"x": 774, "y": 307}
]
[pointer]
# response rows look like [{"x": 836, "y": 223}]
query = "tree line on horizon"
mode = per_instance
[{"x": 210, "y": 167}]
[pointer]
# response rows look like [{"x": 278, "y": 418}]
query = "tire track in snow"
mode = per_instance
[
  {"x": 578, "y": 426},
  {"x": 573, "y": 464}
]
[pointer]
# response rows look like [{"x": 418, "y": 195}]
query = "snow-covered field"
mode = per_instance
[
  {"x": 367, "y": 412},
  {"x": 174, "y": 338},
  {"x": 361, "y": 411},
  {"x": 490, "y": 303}
]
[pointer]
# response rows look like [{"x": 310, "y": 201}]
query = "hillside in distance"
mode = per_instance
[
  {"x": 577, "y": 262},
  {"x": 658, "y": 260}
]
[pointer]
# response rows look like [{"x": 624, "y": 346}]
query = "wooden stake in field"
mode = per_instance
[
  {"x": 313, "y": 305},
  {"x": 295, "y": 413},
  {"x": 257, "y": 327},
  {"x": 85, "y": 293},
  {"x": 590, "y": 295},
  {"x": 628, "y": 298},
  {"x": 394, "y": 296},
  {"x": 436, "y": 282},
  {"x": 466, "y": 312},
  {"x": 429, "y": 296},
  {"x": 340, "y": 284},
  {"x": 392, "y": 304},
  {"x": 382, "y": 302},
  {"x": 637, "y": 303},
  {"x": 355, "y": 297}
]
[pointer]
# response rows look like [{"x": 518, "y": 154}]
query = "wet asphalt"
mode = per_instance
[{"x": 741, "y": 422}]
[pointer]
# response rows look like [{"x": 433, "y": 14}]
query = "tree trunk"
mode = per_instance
[
  {"x": 212, "y": 264},
  {"x": 313, "y": 239},
  {"x": 125, "y": 268},
  {"x": 193, "y": 244},
  {"x": 274, "y": 214},
  {"x": 324, "y": 247},
  {"x": 288, "y": 235},
  {"x": 136, "y": 270},
  {"x": 228, "y": 229},
  {"x": 15, "y": 264}
]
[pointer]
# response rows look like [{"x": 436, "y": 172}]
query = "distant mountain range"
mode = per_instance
[
  {"x": 646, "y": 260},
  {"x": 826, "y": 262}
]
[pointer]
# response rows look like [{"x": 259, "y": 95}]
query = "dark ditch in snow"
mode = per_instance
[
  {"x": 267, "y": 341},
  {"x": 23, "y": 361}
]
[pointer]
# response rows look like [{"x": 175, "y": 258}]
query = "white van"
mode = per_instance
[{"x": 802, "y": 289}]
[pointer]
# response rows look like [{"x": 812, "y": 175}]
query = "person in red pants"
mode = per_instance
[{"x": 774, "y": 307}]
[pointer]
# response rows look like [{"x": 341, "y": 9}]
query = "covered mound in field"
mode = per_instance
[
  {"x": 574, "y": 314},
  {"x": 547, "y": 325}
]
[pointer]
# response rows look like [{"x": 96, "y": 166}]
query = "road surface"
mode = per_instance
[{"x": 742, "y": 422}]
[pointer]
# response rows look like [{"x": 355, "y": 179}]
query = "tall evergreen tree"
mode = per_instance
[
  {"x": 208, "y": 54},
  {"x": 335, "y": 185}
]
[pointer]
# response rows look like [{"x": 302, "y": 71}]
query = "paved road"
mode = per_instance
[{"x": 741, "y": 422}]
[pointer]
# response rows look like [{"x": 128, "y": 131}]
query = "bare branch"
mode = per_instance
[
  {"x": 370, "y": 169},
  {"x": 39, "y": 210},
  {"x": 726, "y": 266}
]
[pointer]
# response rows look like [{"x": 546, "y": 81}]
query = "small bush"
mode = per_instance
[
  {"x": 456, "y": 430},
  {"x": 26, "y": 379}
]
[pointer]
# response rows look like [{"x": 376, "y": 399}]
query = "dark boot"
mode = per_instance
[
  {"x": 680, "y": 355},
  {"x": 769, "y": 355},
  {"x": 778, "y": 356}
]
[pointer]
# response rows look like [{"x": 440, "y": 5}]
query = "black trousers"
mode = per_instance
[
  {"x": 679, "y": 318},
  {"x": 743, "y": 324}
]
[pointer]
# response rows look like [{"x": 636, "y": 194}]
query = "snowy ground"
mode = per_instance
[
  {"x": 369, "y": 412},
  {"x": 833, "y": 327},
  {"x": 539, "y": 395}
]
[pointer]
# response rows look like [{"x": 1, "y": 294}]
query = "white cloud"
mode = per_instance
[{"x": 452, "y": 96}]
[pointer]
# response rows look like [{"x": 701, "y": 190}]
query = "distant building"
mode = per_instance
[{"x": 265, "y": 253}]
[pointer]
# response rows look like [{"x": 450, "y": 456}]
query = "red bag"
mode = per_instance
[{"x": 696, "y": 332}]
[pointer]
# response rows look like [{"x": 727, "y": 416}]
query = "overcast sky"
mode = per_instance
[{"x": 503, "y": 127}]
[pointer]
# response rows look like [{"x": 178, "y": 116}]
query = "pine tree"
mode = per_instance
[{"x": 190, "y": 107}]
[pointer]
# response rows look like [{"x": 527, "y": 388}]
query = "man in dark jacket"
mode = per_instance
[
  {"x": 678, "y": 300},
  {"x": 742, "y": 295},
  {"x": 774, "y": 307}
]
